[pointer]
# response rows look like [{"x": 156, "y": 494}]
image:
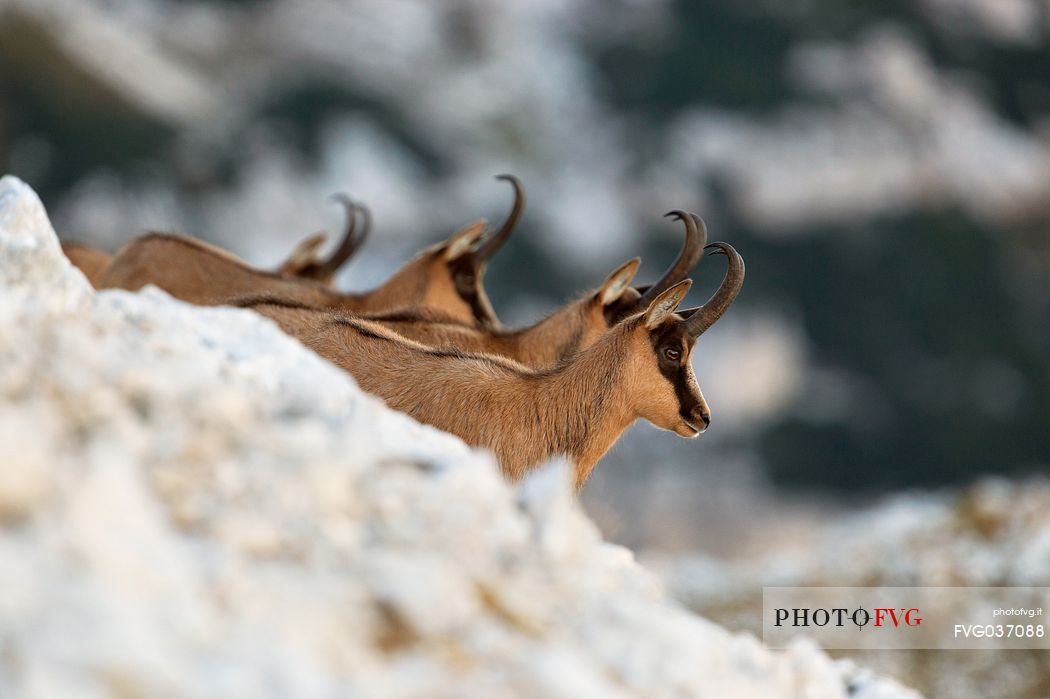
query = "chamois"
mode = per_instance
[
  {"x": 305, "y": 259},
  {"x": 446, "y": 277},
  {"x": 574, "y": 327},
  {"x": 640, "y": 368},
  {"x": 303, "y": 262},
  {"x": 91, "y": 261}
]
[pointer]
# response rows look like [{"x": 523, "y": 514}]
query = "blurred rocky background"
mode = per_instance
[{"x": 884, "y": 168}]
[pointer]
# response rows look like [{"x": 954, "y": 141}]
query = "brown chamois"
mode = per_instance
[
  {"x": 304, "y": 261},
  {"x": 446, "y": 277},
  {"x": 638, "y": 369},
  {"x": 91, "y": 261},
  {"x": 574, "y": 327}
]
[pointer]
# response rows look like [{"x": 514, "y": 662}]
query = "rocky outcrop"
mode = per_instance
[{"x": 193, "y": 505}]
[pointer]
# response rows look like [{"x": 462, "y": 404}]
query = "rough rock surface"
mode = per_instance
[
  {"x": 993, "y": 534},
  {"x": 193, "y": 505}
]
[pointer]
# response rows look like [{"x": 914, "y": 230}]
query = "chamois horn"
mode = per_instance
[
  {"x": 692, "y": 251},
  {"x": 351, "y": 240},
  {"x": 705, "y": 316},
  {"x": 497, "y": 239}
]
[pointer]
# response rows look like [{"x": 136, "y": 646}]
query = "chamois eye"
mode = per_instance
[{"x": 673, "y": 354}]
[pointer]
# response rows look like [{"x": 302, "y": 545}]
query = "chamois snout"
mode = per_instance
[
  {"x": 698, "y": 417},
  {"x": 693, "y": 414}
]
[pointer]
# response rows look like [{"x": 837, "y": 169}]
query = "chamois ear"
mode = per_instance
[
  {"x": 306, "y": 253},
  {"x": 665, "y": 304},
  {"x": 464, "y": 240},
  {"x": 617, "y": 282}
]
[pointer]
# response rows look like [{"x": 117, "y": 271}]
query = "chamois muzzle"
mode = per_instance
[
  {"x": 351, "y": 239},
  {"x": 497, "y": 239},
  {"x": 705, "y": 316},
  {"x": 692, "y": 251}
]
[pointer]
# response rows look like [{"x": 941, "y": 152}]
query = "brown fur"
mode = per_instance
[
  {"x": 578, "y": 408},
  {"x": 568, "y": 330},
  {"x": 88, "y": 260},
  {"x": 196, "y": 272},
  {"x": 572, "y": 328},
  {"x": 200, "y": 273}
]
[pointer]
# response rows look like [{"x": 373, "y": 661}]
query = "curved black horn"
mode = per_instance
[
  {"x": 350, "y": 242},
  {"x": 497, "y": 239},
  {"x": 722, "y": 299},
  {"x": 692, "y": 251}
]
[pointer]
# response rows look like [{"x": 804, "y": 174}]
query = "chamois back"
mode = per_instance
[{"x": 199, "y": 273}]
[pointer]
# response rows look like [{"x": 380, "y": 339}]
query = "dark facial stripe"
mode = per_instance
[
  {"x": 466, "y": 277},
  {"x": 676, "y": 372},
  {"x": 685, "y": 395}
]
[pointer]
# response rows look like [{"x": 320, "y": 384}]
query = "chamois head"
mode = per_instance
[
  {"x": 615, "y": 299},
  {"x": 661, "y": 345},
  {"x": 448, "y": 276},
  {"x": 305, "y": 261}
]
